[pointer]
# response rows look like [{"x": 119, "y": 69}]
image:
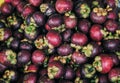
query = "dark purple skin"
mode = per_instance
[
  {"x": 35, "y": 3},
  {"x": 111, "y": 25},
  {"x": 26, "y": 46},
  {"x": 43, "y": 72},
  {"x": 38, "y": 57},
  {"x": 78, "y": 57},
  {"x": 79, "y": 38},
  {"x": 28, "y": 9},
  {"x": 15, "y": 2},
  {"x": 66, "y": 35},
  {"x": 45, "y": 79},
  {"x": 53, "y": 21},
  {"x": 103, "y": 79},
  {"x": 47, "y": 9},
  {"x": 6, "y": 9},
  {"x": 116, "y": 60},
  {"x": 111, "y": 45},
  {"x": 15, "y": 44},
  {"x": 78, "y": 72},
  {"x": 65, "y": 81},
  {"x": 23, "y": 57},
  {"x": 57, "y": 73},
  {"x": 20, "y": 6},
  {"x": 111, "y": 3},
  {"x": 2, "y": 68},
  {"x": 30, "y": 78},
  {"x": 18, "y": 35},
  {"x": 84, "y": 26},
  {"x": 38, "y": 18},
  {"x": 69, "y": 74},
  {"x": 64, "y": 50}
]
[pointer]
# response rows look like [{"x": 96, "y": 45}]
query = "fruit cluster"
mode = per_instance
[{"x": 60, "y": 41}]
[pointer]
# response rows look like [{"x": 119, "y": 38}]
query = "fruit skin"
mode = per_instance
[
  {"x": 103, "y": 79},
  {"x": 111, "y": 45},
  {"x": 6, "y": 8},
  {"x": 69, "y": 74},
  {"x": 114, "y": 74},
  {"x": 96, "y": 33},
  {"x": 31, "y": 68},
  {"x": 84, "y": 26},
  {"x": 64, "y": 50},
  {"x": 63, "y": 6},
  {"x": 54, "y": 38},
  {"x": 35, "y": 3},
  {"x": 67, "y": 35},
  {"x": 30, "y": 78},
  {"x": 70, "y": 20},
  {"x": 38, "y": 57},
  {"x": 79, "y": 38},
  {"x": 54, "y": 21},
  {"x": 2, "y": 68},
  {"x": 23, "y": 57},
  {"x": 45, "y": 79},
  {"x": 78, "y": 57},
  {"x": 28, "y": 9},
  {"x": 20, "y": 7},
  {"x": 111, "y": 25},
  {"x": 112, "y": 15},
  {"x": 103, "y": 63},
  {"x": 58, "y": 69},
  {"x": 98, "y": 18},
  {"x": 15, "y": 2}
]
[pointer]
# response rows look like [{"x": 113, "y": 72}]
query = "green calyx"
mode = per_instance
[
  {"x": 89, "y": 70},
  {"x": 115, "y": 79},
  {"x": 11, "y": 56},
  {"x": 61, "y": 28},
  {"x": 43, "y": 8},
  {"x": 52, "y": 71},
  {"x": 70, "y": 14},
  {"x": 87, "y": 50},
  {"x": 85, "y": 10},
  {"x": 97, "y": 63},
  {"x": 8, "y": 75},
  {"x": 1, "y": 34}
]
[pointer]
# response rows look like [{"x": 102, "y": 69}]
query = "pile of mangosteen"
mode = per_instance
[{"x": 60, "y": 41}]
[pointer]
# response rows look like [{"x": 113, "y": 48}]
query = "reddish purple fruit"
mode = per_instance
[
  {"x": 54, "y": 21},
  {"x": 45, "y": 79},
  {"x": 63, "y": 6},
  {"x": 78, "y": 57},
  {"x": 114, "y": 75},
  {"x": 35, "y": 3},
  {"x": 103, "y": 63},
  {"x": 96, "y": 33},
  {"x": 15, "y": 2},
  {"x": 28, "y": 9},
  {"x": 20, "y": 7},
  {"x": 79, "y": 38},
  {"x": 84, "y": 26},
  {"x": 54, "y": 38},
  {"x": 38, "y": 57},
  {"x": 55, "y": 70},
  {"x": 6, "y": 9},
  {"x": 70, "y": 20},
  {"x": 111, "y": 25},
  {"x": 30, "y": 78},
  {"x": 64, "y": 50},
  {"x": 112, "y": 15},
  {"x": 98, "y": 15},
  {"x": 23, "y": 57}
]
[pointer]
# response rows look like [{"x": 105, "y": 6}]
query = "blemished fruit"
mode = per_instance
[{"x": 59, "y": 41}]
